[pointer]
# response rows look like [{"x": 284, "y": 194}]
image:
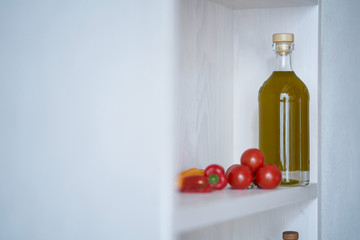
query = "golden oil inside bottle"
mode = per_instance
[{"x": 284, "y": 126}]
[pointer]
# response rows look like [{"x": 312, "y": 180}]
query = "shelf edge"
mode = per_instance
[
  {"x": 189, "y": 218},
  {"x": 245, "y": 4}
]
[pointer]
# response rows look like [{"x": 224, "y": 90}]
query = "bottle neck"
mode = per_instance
[
  {"x": 283, "y": 62},
  {"x": 283, "y": 56}
]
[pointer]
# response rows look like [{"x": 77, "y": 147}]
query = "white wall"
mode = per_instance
[
  {"x": 204, "y": 115},
  {"x": 340, "y": 117},
  {"x": 255, "y": 61},
  {"x": 86, "y": 116}
]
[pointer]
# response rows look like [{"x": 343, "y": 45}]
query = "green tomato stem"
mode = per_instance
[{"x": 214, "y": 179}]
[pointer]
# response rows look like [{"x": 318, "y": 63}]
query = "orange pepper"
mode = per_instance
[{"x": 186, "y": 173}]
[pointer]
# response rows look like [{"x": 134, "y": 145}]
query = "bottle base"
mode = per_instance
[{"x": 295, "y": 178}]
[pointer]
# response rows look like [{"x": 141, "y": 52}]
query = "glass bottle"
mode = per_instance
[
  {"x": 290, "y": 235},
  {"x": 284, "y": 117}
]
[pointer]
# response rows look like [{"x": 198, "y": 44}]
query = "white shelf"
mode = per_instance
[
  {"x": 192, "y": 210},
  {"x": 225, "y": 56},
  {"x": 246, "y": 4}
]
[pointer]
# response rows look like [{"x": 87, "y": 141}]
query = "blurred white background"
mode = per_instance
[{"x": 86, "y": 113}]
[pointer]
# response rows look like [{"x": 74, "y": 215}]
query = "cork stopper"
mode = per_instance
[
  {"x": 290, "y": 235},
  {"x": 283, "y": 43},
  {"x": 283, "y": 37}
]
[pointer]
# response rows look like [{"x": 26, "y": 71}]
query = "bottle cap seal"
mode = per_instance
[
  {"x": 290, "y": 235},
  {"x": 283, "y": 37}
]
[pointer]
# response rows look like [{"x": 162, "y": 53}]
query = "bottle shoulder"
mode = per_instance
[{"x": 284, "y": 82}]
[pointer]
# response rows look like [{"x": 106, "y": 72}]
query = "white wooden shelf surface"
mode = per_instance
[
  {"x": 192, "y": 210},
  {"x": 246, "y": 4}
]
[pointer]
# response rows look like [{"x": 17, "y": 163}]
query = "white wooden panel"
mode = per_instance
[
  {"x": 228, "y": 204},
  {"x": 254, "y": 63},
  {"x": 205, "y": 62},
  {"x": 204, "y": 92},
  {"x": 340, "y": 118},
  {"x": 243, "y": 4},
  {"x": 267, "y": 225},
  {"x": 86, "y": 102}
]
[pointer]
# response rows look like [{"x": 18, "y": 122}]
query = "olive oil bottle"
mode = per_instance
[{"x": 284, "y": 117}]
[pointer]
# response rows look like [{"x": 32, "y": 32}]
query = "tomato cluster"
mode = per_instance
[
  {"x": 239, "y": 176},
  {"x": 252, "y": 168}
]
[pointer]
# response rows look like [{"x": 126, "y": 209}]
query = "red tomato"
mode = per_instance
[
  {"x": 229, "y": 169},
  {"x": 268, "y": 177},
  {"x": 253, "y": 158},
  {"x": 240, "y": 177}
]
